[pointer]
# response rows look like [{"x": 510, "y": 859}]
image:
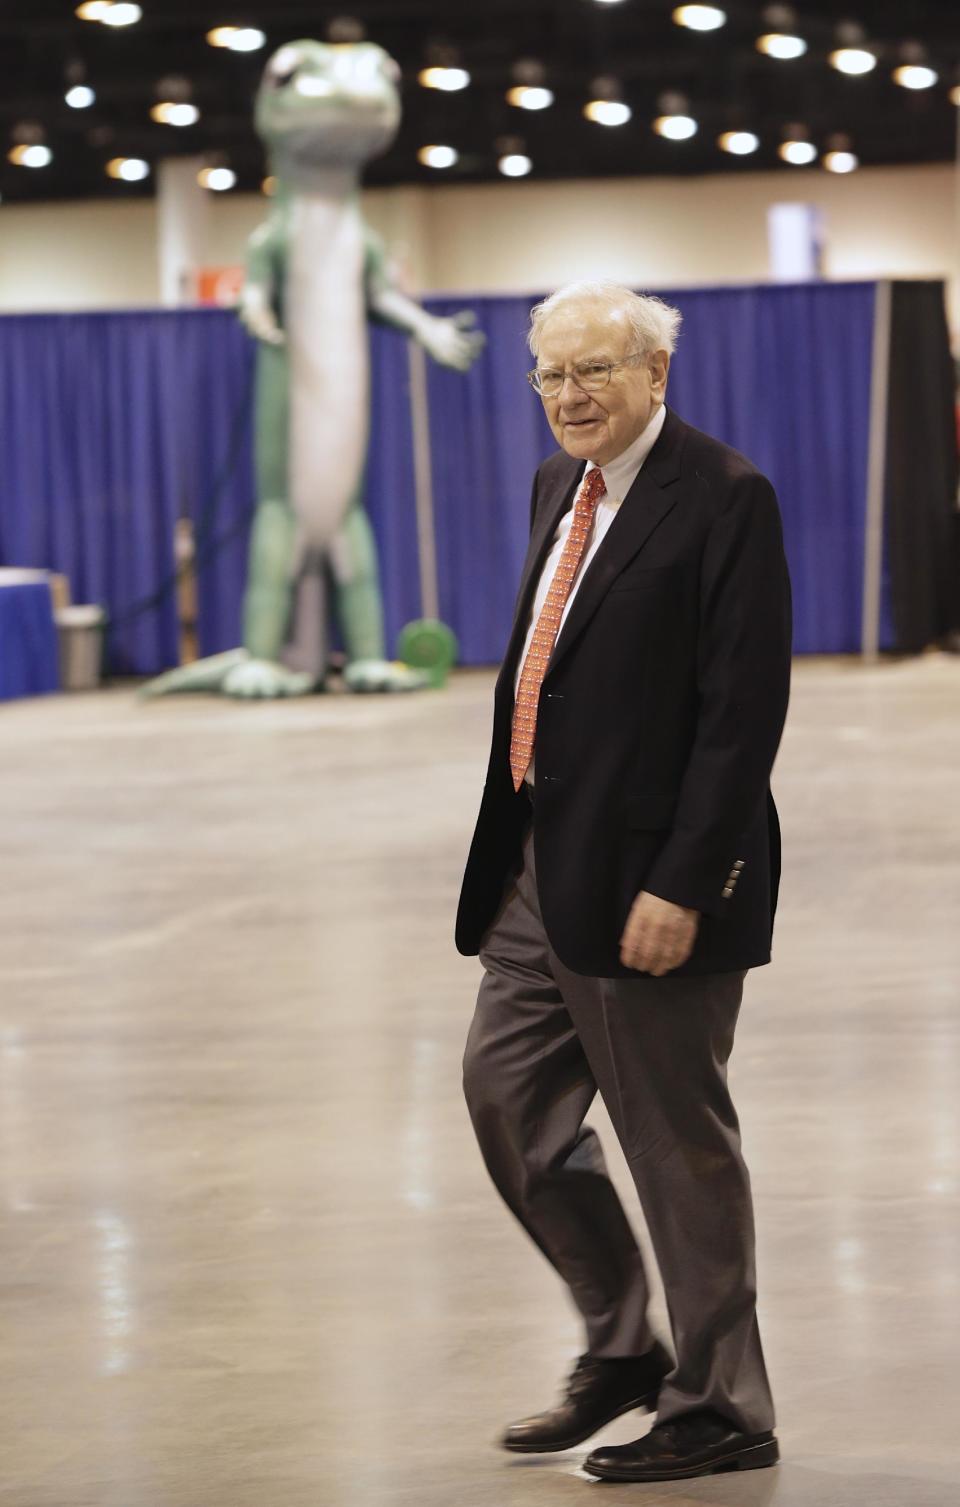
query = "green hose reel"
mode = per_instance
[{"x": 430, "y": 646}]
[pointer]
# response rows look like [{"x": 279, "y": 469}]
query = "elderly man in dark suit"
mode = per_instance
[{"x": 623, "y": 879}]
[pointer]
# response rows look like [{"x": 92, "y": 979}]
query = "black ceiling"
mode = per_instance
[{"x": 728, "y": 83}]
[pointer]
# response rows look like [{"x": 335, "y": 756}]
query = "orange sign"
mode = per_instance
[{"x": 219, "y": 286}]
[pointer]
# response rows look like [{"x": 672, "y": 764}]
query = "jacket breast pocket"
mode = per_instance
[{"x": 659, "y": 578}]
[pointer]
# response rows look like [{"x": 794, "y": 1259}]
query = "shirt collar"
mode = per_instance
[{"x": 620, "y": 473}]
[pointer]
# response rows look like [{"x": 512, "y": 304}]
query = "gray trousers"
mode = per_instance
[{"x": 542, "y": 1042}]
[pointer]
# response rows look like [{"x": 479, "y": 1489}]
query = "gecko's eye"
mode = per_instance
[{"x": 283, "y": 67}]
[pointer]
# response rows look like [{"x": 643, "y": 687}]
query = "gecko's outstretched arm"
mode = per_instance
[
  {"x": 258, "y": 298},
  {"x": 452, "y": 342}
]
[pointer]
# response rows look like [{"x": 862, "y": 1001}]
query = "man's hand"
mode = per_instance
[{"x": 658, "y": 936}]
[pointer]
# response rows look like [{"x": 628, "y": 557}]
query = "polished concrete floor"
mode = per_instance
[{"x": 248, "y": 1254}]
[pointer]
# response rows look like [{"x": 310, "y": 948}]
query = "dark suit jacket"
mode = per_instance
[{"x": 659, "y": 717}]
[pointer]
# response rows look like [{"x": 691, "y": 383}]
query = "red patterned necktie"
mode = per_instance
[{"x": 548, "y": 626}]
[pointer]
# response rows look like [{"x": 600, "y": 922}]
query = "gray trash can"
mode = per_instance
[{"x": 80, "y": 631}]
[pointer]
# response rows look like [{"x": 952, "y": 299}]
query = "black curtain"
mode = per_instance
[{"x": 921, "y": 487}]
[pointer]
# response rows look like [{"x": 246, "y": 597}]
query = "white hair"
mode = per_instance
[{"x": 653, "y": 323}]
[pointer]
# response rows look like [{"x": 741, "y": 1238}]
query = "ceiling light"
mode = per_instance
[
  {"x": 448, "y": 79},
  {"x": 515, "y": 165},
  {"x": 841, "y": 162},
  {"x": 438, "y": 156},
  {"x": 247, "y": 39},
  {"x": 699, "y": 17},
  {"x": 777, "y": 44},
  {"x": 219, "y": 179},
  {"x": 237, "y": 38},
  {"x": 78, "y": 93},
  {"x": 675, "y": 127},
  {"x": 607, "y": 107},
  {"x": 93, "y": 10},
  {"x": 914, "y": 71},
  {"x": 740, "y": 143},
  {"x": 798, "y": 153},
  {"x": 853, "y": 60},
  {"x": 170, "y": 113},
  {"x": 607, "y": 112},
  {"x": 529, "y": 88},
  {"x": 32, "y": 155},
  {"x": 29, "y": 149},
  {"x": 128, "y": 169},
  {"x": 915, "y": 76},
  {"x": 121, "y": 14},
  {"x": 530, "y": 97},
  {"x": 839, "y": 156}
]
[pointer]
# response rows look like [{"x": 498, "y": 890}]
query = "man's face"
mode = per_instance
[{"x": 599, "y": 426}]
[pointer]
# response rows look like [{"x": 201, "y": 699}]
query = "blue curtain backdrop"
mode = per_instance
[
  {"x": 114, "y": 425},
  {"x": 781, "y": 373}
]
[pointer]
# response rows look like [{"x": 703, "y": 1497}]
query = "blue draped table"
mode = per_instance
[{"x": 29, "y": 661}]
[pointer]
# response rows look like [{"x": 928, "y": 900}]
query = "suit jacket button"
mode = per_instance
[
  {"x": 739, "y": 863},
  {"x": 727, "y": 892}
]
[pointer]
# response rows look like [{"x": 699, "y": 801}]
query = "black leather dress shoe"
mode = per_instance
[
  {"x": 696, "y": 1444},
  {"x": 598, "y": 1390}
]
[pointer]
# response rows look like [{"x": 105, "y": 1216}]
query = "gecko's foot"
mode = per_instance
[
  {"x": 383, "y": 675},
  {"x": 232, "y": 674},
  {"x": 203, "y": 675},
  {"x": 263, "y": 680}
]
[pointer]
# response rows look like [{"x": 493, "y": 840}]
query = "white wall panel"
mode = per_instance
[{"x": 519, "y": 236}]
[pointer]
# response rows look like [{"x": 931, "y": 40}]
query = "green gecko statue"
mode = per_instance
[{"x": 315, "y": 274}]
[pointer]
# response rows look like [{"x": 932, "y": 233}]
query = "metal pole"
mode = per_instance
[
  {"x": 423, "y": 481},
  {"x": 954, "y": 311},
  {"x": 953, "y": 287},
  {"x": 876, "y": 474}
]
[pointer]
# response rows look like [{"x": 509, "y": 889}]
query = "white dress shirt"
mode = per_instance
[{"x": 619, "y": 476}]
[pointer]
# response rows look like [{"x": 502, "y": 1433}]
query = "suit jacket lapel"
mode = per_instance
[
  {"x": 551, "y": 509},
  {"x": 549, "y": 513},
  {"x": 649, "y": 500}
]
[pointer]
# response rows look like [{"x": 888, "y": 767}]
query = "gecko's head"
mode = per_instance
[{"x": 329, "y": 105}]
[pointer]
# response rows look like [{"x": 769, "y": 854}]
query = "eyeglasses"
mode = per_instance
[{"x": 589, "y": 376}]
